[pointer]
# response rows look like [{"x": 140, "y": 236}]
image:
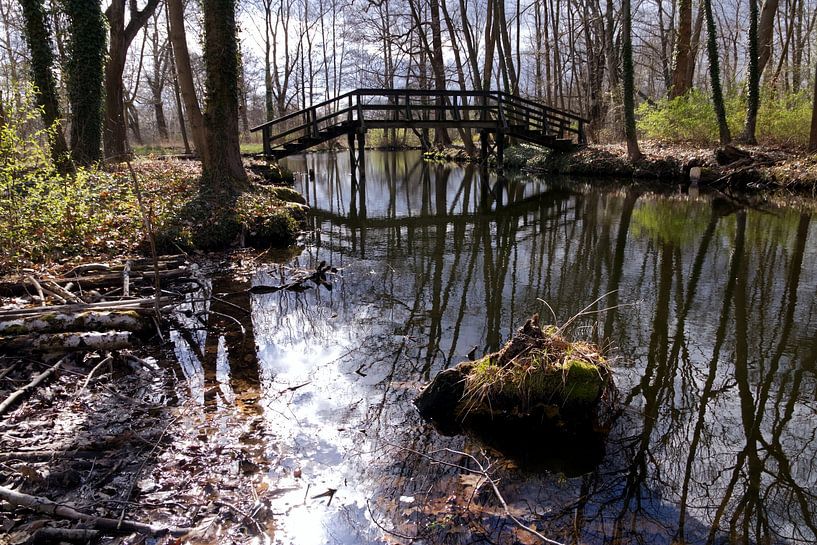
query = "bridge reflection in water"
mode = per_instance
[{"x": 717, "y": 437}]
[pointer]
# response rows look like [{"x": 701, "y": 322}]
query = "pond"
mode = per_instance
[{"x": 708, "y": 308}]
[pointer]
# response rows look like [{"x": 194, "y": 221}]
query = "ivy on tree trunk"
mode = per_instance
[
  {"x": 86, "y": 60},
  {"x": 629, "y": 84},
  {"x": 222, "y": 170},
  {"x": 38, "y": 36},
  {"x": 715, "y": 74},
  {"x": 753, "y": 94}
]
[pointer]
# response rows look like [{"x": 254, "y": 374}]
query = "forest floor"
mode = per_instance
[{"x": 130, "y": 439}]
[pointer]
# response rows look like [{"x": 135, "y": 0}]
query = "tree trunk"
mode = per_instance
[
  {"x": 714, "y": 74},
  {"x": 438, "y": 66},
  {"x": 812, "y": 140},
  {"x": 629, "y": 85},
  {"x": 85, "y": 66},
  {"x": 121, "y": 36},
  {"x": 765, "y": 30},
  {"x": 222, "y": 170},
  {"x": 38, "y": 37},
  {"x": 175, "y": 13},
  {"x": 753, "y": 92},
  {"x": 133, "y": 123},
  {"x": 683, "y": 50}
]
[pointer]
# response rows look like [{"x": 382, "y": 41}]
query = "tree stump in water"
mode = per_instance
[{"x": 538, "y": 377}]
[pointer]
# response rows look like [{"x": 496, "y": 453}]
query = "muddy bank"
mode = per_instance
[{"x": 748, "y": 168}]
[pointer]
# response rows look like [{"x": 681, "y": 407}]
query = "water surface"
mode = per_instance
[{"x": 712, "y": 317}]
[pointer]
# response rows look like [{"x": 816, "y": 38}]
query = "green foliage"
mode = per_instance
[
  {"x": 690, "y": 118},
  {"x": 43, "y": 215}
]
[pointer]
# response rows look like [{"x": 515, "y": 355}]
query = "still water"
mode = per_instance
[{"x": 710, "y": 310}]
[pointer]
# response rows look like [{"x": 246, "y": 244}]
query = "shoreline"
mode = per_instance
[{"x": 748, "y": 168}]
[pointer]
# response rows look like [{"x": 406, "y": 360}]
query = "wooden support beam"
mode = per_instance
[{"x": 361, "y": 154}]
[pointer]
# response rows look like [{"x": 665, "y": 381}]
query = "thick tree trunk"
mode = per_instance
[
  {"x": 633, "y": 150},
  {"x": 812, "y": 140},
  {"x": 175, "y": 13},
  {"x": 438, "y": 67},
  {"x": 753, "y": 94},
  {"x": 38, "y": 37},
  {"x": 683, "y": 50},
  {"x": 765, "y": 33},
  {"x": 222, "y": 170},
  {"x": 85, "y": 66}
]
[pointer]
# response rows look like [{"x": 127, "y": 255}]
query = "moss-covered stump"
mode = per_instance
[
  {"x": 537, "y": 377},
  {"x": 264, "y": 217},
  {"x": 271, "y": 173}
]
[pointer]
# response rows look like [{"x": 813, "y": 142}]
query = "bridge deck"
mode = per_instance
[{"x": 355, "y": 112}]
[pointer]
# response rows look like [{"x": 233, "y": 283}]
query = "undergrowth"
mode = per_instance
[
  {"x": 46, "y": 216},
  {"x": 782, "y": 119}
]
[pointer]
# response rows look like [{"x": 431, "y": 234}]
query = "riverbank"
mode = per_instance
[
  {"x": 752, "y": 168},
  {"x": 113, "y": 212}
]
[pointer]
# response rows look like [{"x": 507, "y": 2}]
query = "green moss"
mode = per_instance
[
  {"x": 550, "y": 371},
  {"x": 15, "y": 330},
  {"x": 287, "y": 194}
]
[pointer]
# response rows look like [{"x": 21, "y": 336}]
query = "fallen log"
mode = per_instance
[
  {"x": 48, "y": 507},
  {"x": 18, "y": 394},
  {"x": 61, "y": 535},
  {"x": 68, "y": 342},
  {"x": 144, "y": 304},
  {"x": 90, "y": 320}
]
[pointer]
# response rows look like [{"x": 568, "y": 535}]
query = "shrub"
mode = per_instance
[{"x": 782, "y": 119}]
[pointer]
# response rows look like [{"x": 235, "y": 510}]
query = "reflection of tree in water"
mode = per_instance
[{"x": 715, "y": 441}]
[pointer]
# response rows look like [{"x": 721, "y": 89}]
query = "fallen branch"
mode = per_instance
[
  {"x": 21, "y": 392},
  {"x": 147, "y": 303},
  {"x": 60, "y": 535},
  {"x": 48, "y": 507}
]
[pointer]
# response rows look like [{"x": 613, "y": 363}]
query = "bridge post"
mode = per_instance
[
  {"x": 483, "y": 147},
  {"x": 350, "y": 139},
  {"x": 361, "y": 154}
]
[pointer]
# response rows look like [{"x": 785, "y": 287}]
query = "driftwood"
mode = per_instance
[
  {"x": 68, "y": 342},
  {"x": 48, "y": 507},
  {"x": 25, "y": 390},
  {"x": 91, "y": 320}
]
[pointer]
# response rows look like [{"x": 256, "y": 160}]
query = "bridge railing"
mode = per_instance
[{"x": 384, "y": 108}]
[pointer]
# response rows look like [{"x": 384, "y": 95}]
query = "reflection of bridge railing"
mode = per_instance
[{"x": 485, "y": 111}]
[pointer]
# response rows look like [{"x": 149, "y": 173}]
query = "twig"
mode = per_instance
[
  {"x": 45, "y": 505},
  {"x": 96, "y": 368},
  {"x": 15, "y": 396},
  {"x": 142, "y": 465},
  {"x": 61, "y": 535},
  {"x": 38, "y": 287},
  {"x": 391, "y": 532},
  {"x": 7, "y": 370},
  {"x": 483, "y": 472},
  {"x": 148, "y": 221}
]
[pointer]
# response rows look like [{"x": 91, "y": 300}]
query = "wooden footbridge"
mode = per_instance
[{"x": 490, "y": 113}]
